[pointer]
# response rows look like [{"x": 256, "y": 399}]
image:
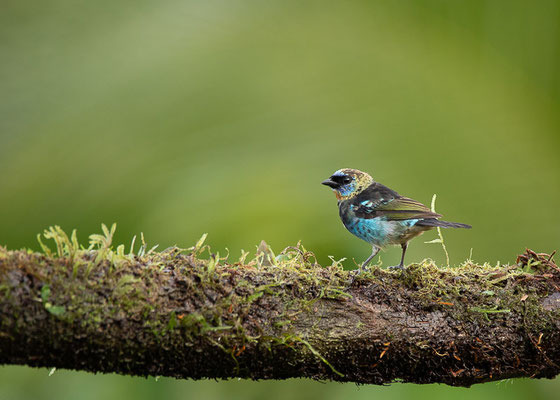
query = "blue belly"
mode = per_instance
[{"x": 380, "y": 232}]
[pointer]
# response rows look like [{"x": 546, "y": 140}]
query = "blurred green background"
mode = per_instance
[{"x": 176, "y": 118}]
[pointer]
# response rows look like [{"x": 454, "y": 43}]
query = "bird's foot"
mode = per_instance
[
  {"x": 355, "y": 273},
  {"x": 399, "y": 267},
  {"x": 363, "y": 268}
]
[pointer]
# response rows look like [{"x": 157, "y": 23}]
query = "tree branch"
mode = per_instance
[{"x": 180, "y": 315}]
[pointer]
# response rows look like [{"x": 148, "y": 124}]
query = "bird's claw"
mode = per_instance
[
  {"x": 362, "y": 269},
  {"x": 355, "y": 273},
  {"x": 399, "y": 267}
]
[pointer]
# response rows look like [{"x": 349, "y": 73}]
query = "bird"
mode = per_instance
[{"x": 379, "y": 215}]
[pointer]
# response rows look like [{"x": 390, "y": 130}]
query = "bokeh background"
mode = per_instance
[{"x": 176, "y": 118}]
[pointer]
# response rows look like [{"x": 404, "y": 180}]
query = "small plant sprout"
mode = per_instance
[
  {"x": 102, "y": 242},
  {"x": 440, "y": 235},
  {"x": 199, "y": 246},
  {"x": 337, "y": 263},
  {"x": 131, "y": 252}
]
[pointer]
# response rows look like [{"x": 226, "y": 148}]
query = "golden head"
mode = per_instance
[{"x": 347, "y": 182}]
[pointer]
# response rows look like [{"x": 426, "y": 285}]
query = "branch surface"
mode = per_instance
[{"x": 188, "y": 316}]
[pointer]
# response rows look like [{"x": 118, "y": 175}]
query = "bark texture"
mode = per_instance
[{"x": 180, "y": 315}]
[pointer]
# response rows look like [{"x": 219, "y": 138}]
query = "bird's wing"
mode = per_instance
[
  {"x": 404, "y": 208},
  {"x": 380, "y": 201}
]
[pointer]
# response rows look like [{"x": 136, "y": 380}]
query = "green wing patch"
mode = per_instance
[
  {"x": 404, "y": 208},
  {"x": 396, "y": 209}
]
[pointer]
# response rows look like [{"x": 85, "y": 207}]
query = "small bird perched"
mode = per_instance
[{"x": 379, "y": 215}]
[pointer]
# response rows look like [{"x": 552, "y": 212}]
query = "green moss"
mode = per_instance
[
  {"x": 4, "y": 291},
  {"x": 486, "y": 311},
  {"x": 125, "y": 285}
]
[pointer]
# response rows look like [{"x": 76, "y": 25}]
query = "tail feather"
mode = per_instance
[{"x": 442, "y": 224}]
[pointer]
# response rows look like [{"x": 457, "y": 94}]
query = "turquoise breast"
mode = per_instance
[{"x": 379, "y": 231}]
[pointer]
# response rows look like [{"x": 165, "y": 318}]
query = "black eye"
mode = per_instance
[{"x": 341, "y": 179}]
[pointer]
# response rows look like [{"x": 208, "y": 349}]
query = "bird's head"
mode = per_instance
[{"x": 347, "y": 182}]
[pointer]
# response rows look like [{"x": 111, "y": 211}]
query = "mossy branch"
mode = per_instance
[{"x": 185, "y": 314}]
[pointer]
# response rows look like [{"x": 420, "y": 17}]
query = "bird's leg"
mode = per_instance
[
  {"x": 374, "y": 251},
  {"x": 401, "y": 265}
]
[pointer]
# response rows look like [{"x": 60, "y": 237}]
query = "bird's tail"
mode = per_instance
[{"x": 442, "y": 224}]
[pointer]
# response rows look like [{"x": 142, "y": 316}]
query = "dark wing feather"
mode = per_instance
[
  {"x": 375, "y": 195},
  {"x": 380, "y": 201}
]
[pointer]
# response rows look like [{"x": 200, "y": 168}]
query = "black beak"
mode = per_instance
[{"x": 330, "y": 183}]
